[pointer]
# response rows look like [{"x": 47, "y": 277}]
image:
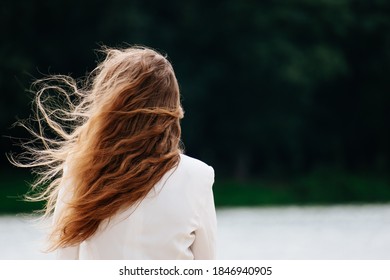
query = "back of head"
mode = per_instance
[{"x": 135, "y": 78}]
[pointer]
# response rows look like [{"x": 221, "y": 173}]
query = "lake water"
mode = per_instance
[{"x": 336, "y": 232}]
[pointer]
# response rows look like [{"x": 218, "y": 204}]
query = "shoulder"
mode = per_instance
[
  {"x": 196, "y": 171},
  {"x": 195, "y": 166}
]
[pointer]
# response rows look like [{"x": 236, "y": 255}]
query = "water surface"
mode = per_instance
[{"x": 336, "y": 232}]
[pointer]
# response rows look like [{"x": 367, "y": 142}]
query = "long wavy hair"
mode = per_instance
[{"x": 117, "y": 134}]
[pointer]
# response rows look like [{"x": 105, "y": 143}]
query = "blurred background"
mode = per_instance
[{"x": 287, "y": 100}]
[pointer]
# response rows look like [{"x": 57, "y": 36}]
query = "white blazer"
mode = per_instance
[{"x": 176, "y": 220}]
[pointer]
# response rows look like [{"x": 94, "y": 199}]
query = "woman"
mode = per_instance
[{"x": 122, "y": 187}]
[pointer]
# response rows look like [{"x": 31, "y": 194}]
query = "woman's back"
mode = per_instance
[
  {"x": 176, "y": 220},
  {"x": 116, "y": 146}
]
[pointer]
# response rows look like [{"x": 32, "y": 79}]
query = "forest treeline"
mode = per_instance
[{"x": 271, "y": 89}]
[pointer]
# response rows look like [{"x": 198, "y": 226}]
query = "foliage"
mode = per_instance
[
  {"x": 271, "y": 89},
  {"x": 13, "y": 187},
  {"x": 320, "y": 187}
]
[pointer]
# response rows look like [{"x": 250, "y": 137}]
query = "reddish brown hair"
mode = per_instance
[{"x": 118, "y": 136}]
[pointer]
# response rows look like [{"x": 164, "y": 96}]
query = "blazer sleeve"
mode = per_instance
[
  {"x": 72, "y": 252},
  {"x": 204, "y": 246}
]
